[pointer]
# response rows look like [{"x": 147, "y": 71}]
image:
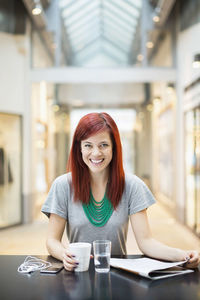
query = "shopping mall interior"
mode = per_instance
[{"x": 139, "y": 61}]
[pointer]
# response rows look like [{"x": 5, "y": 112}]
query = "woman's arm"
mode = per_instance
[
  {"x": 151, "y": 247},
  {"x": 54, "y": 245},
  {"x": 54, "y": 236}
]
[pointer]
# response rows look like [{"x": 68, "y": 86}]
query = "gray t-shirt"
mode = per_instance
[{"x": 136, "y": 197}]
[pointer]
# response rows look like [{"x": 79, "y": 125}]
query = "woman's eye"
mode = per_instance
[
  {"x": 104, "y": 145},
  {"x": 88, "y": 146}
]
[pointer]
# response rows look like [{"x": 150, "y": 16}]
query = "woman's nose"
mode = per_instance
[{"x": 96, "y": 151}]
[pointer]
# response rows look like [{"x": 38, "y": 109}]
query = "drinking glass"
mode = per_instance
[{"x": 102, "y": 251}]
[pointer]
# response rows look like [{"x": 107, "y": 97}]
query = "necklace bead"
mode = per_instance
[{"x": 98, "y": 215}]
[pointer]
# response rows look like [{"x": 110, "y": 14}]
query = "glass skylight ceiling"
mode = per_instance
[{"x": 103, "y": 28}]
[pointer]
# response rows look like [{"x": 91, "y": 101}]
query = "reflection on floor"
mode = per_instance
[{"x": 30, "y": 239}]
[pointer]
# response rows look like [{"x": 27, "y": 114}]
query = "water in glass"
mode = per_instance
[{"x": 102, "y": 262}]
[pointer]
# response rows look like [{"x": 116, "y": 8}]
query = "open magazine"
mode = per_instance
[{"x": 150, "y": 268}]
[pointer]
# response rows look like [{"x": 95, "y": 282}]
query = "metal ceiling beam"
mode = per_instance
[
  {"x": 81, "y": 23},
  {"x": 85, "y": 30},
  {"x": 78, "y": 46},
  {"x": 132, "y": 4},
  {"x": 113, "y": 56},
  {"x": 110, "y": 48},
  {"x": 115, "y": 45},
  {"x": 116, "y": 18},
  {"x": 78, "y": 17},
  {"x": 41, "y": 25},
  {"x": 92, "y": 41},
  {"x": 90, "y": 13},
  {"x": 84, "y": 39},
  {"x": 118, "y": 38},
  {"x": 118, "y": 29},
  {"x": 82, "y": 6},
  {"x": 117, "y": 42},
  {"x": 67, "y": 3},
  {"x": 87, "y": 57},
  {"x": 165, "y": 8},
  {"x": 132, "y": 9},
  {"x": 101, "y": 75},
  {"x": 122, "y": 10},
  {"x": 108, "y": 44},
  {"x": 123, "y": 16},
  {"x": 90, "y": 51}
]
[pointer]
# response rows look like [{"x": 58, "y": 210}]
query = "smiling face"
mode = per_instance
[{"x": 97, "y": 152}]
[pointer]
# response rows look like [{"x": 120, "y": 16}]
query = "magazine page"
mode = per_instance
[{"x": 150, "y": 268}]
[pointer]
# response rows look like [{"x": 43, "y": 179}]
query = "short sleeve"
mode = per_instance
[
  {"x": 140, "y": 196},
  {"x": 56, "y": 201}
]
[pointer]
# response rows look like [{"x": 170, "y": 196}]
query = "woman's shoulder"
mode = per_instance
[
  {"x": 133, "y": 179},
  {"x": 63, "y": 179}
]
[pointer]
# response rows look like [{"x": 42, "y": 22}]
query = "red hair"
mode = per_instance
[{"x": 89, "y": 125}]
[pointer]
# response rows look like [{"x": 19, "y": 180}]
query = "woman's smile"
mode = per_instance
[
  {"x": 97, "y": 151},
  {"x": 97, "y": 161}
]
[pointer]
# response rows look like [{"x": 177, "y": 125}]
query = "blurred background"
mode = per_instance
[{"x": 138, "y": 60}]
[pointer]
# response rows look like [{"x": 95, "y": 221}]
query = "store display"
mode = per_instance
[{"x": 10, "y": 169}]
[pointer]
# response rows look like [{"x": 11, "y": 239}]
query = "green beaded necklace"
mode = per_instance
[{"x": 98, "y": 213}]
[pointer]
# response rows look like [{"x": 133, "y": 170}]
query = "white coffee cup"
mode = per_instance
[{"x": 82, "y": 255}]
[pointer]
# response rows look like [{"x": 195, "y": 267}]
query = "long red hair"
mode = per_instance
[{"x": 89, "y": 125}]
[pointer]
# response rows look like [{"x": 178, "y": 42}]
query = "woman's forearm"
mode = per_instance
[
  {"x": 55, "y": 248},
  {"x": 156, "y": 249}
]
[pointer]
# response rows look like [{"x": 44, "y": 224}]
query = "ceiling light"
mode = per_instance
[
  {"x": 37, "y": 8},
  {"x": 156, "y": 18},
  {"x": 150, "y": 107},
  {"x": 170, "y": 88},
  {"x": 56, "y": 107},
  {"x": 156, "y": 14},
  {"x": 149, "y": 44},
  {"x": 156, "y": 100},
  {"x": 196, "y": 61},
  {"x": 140, "y": 57}
]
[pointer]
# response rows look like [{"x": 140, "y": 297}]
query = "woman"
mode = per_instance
[{"x": 95, "y": 199}]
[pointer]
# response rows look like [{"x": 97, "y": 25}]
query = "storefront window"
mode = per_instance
[
  {"x": 165, "y": 155},
  {"x": 44, "y": 151},
  {"x": 192, "y": 164},
  {"x": 10, "y": 169}
]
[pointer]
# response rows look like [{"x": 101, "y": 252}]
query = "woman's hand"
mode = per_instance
[
  {"x": 69, "y": 261},
  {"x": 193, "y": 259}
]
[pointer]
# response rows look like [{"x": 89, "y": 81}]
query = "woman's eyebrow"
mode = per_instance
[
  {"x": 86, "y": 142},
  {"x": 104, "y": 142}
]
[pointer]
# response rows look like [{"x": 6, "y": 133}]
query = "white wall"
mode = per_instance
[
  {"x": 12, "y": 73},
  {"x": 108, "y": 94},
  {"x": 163, "y": 56}
]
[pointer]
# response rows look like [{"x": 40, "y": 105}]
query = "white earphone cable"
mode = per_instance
[{"x": 32, "y": 264}]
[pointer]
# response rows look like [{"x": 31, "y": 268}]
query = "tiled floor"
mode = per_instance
[{"x": 30, "y": 239}]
